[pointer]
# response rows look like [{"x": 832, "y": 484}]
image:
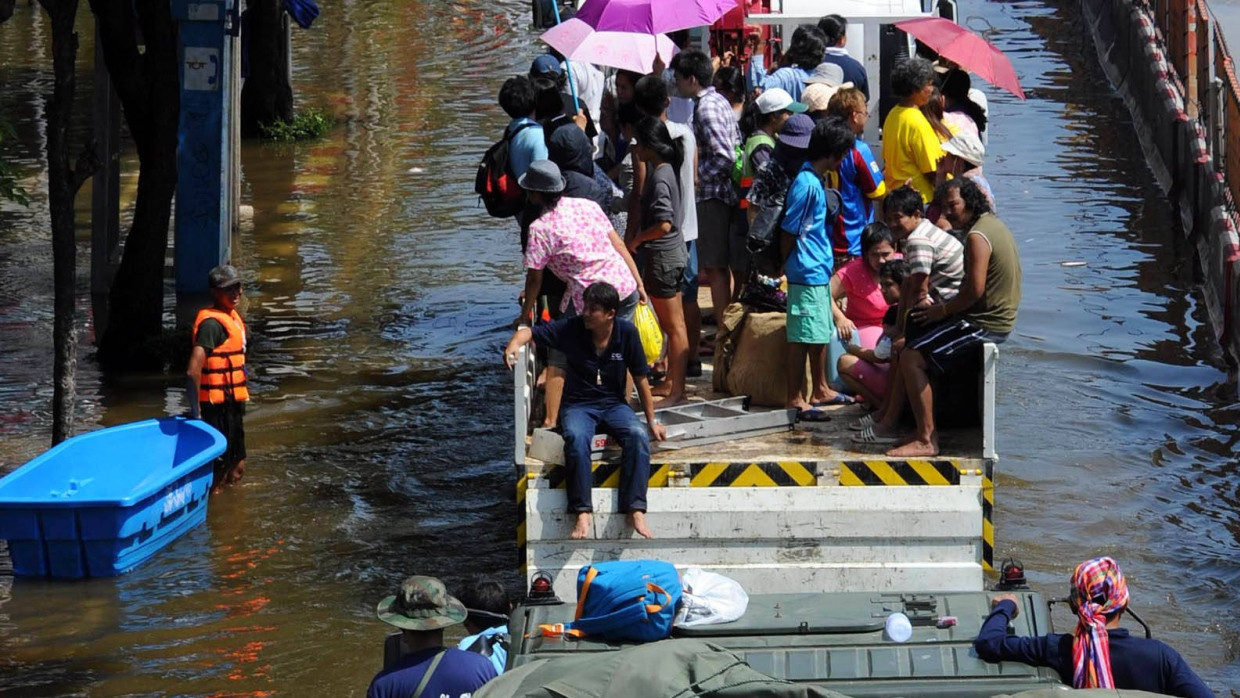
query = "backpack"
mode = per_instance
[
  {"x": 495, "y": 184},
  {"x": 762, "y": 240},
  {"x": 632, "y": 600}
]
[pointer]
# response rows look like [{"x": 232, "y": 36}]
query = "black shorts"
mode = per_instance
[
  {"x": 664, "y": 272},
  {"x": 228, "y": 417},
  {"x": 950, "y": 343}
]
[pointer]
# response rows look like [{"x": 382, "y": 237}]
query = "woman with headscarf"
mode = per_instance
[{"x": 1098, "y": 653}]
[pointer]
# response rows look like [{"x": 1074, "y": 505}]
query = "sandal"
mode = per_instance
[
  {"x": 868, "y": 436},
  {"x": 813, "y": 415},
  {"x": 866, "y": 421},
  {"x": 839, "y": 399}
]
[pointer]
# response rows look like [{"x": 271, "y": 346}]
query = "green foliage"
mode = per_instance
[
  {"x": 9, "y": 188},
  {"x": 305, "y": 125}
]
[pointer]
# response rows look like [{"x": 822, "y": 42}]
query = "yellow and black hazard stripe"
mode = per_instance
[
  {"x": 915, "y": 473},
  {"x": 607, "y": 474},
  {"x": 760, "y": 474},
  {"x": 725, "y": 474},
  {"x": 988, "y": 513}
]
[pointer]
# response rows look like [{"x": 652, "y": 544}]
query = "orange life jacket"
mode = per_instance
[{"x": 223, "y": 374}]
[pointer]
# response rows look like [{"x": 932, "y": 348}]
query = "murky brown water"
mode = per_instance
[{"x": 379, "y": 432}]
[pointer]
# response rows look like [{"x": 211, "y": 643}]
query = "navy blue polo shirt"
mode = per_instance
[
  {"x": 594, "y": 379},
  {"x": 1136, "y": 663}
]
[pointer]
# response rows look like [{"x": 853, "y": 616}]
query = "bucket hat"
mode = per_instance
[
  {"x": 796, "y": 131},
  {"x": 543, "y": 176},
  {"x": 966, "y": 146},
  {"x": 818, "y": 95},
  {"x": 778, "y": 99},
  {"x": 223, "y": 276},
  {"x": 421, "y": 603},
  {"x": 826, "y": 74}
]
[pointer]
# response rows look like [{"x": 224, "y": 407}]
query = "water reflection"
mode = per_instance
[{"x": 379, "y": 434}]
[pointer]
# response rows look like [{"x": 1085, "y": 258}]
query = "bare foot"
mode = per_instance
[
  {"x": 661, "y": 390},
  {"x": 915, "y": 449},
  {"x": 235, "y": 475},
  {"x": 637, "y": 519},
  {"x": 585, "y": 521}
]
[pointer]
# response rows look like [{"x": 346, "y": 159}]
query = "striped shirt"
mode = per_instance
[
  {"x": 928, "y": 250},
  {"x": 717, "y": 134}
]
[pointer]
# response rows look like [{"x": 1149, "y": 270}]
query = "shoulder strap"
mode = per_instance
[
  {"x": 520, "y": 127},
  {"x": 426, "y": 678}
]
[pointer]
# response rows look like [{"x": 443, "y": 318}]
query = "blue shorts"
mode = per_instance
[
  {"x": 690, "y": 282},
  {"x": 809, "y": 315}
]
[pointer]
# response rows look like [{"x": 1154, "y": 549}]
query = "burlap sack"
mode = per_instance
[{"x": 751, "y": 357}]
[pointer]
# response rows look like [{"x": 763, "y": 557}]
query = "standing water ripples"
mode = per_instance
[{"x": 378, "y": 293}]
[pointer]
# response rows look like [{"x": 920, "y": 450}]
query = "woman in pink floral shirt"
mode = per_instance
[{"x": 574, "y": 239}]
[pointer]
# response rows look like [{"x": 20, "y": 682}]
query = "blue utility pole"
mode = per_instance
[{"x": 206, "y": 155}]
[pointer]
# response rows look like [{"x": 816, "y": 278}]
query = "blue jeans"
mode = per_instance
[{"x": 578, "y": 424}]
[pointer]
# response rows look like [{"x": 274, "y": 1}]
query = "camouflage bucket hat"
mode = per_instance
[{"x": 421, "y": 603}]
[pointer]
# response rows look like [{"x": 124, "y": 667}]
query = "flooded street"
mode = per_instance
[{"x": 377, "y": 295}]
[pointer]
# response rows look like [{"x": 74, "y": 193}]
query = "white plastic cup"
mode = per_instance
[{"x": 898, "y": 627}]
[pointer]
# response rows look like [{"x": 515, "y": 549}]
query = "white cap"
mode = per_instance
[
  {"x": 899, "y": 628},
  {"x": 966, "y": 146},
  {"x": 778, "y": 99}
]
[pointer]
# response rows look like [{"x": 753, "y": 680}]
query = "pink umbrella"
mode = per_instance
[
  {"x": 652, "y": 16},
  {"x": 581, "y": 42},
  {"x": 970, "y": 51}
]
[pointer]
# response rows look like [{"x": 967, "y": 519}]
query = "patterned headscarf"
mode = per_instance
[{"x": 1099, "y": 589}]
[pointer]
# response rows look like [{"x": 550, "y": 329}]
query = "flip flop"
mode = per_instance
[
  {"x": 839, "y": 399},
  {"x": 813, "y": 415},
  {"x": 867, "y": 436},
  {"x": 866, "y": 421}
]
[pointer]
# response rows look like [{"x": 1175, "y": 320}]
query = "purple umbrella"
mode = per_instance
[{"x": 652, "y": 16}]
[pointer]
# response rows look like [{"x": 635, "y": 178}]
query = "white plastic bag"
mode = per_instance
[{"x": 709, "y": 598}]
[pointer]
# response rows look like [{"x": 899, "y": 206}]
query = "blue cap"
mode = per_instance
[
  {"x": 796, "y": 131},
  {"x": 545, "y": 64}
]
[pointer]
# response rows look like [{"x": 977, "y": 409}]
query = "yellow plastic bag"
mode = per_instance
[{"x": 649, "y": 331}]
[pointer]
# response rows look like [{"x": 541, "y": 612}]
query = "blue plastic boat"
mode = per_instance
[{"x": 101, "y": 503}]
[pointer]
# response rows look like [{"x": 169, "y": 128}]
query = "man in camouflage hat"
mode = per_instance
[{"x": 422, "y": 608}]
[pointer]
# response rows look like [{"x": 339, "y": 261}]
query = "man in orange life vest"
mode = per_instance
[{"x": 216, "y": 375}]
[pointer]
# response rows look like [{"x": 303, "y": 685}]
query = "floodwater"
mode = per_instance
[{"x": 379, "y": 436}]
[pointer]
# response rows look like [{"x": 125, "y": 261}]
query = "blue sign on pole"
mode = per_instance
[{"x": 204, "y": 150}]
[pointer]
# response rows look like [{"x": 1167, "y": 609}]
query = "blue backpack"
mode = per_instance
[{"x": 632, "y": 600}]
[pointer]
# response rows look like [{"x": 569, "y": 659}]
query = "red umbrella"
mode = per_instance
[{"x": 970, "y": 51}]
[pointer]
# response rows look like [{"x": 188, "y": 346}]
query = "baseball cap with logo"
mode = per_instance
[
  {"x": 778, "y": 99},
  {"x": 421, "y": 603}
]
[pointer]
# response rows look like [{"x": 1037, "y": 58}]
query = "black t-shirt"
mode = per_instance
[
  {"x": 593, "y": 378},
  {"x": 211, "y": 334}
]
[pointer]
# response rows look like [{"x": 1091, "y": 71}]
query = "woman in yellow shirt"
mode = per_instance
[{"x": 911, "y": 147}]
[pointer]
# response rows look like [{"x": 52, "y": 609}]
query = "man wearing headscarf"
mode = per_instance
[{"x": 1098, "y": 653}]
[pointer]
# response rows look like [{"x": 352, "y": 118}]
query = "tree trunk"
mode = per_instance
[
  {"x": 148, "y": 87},
  {"x": 267, "y": 96},
  {"x": 63, "y": 183}
]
